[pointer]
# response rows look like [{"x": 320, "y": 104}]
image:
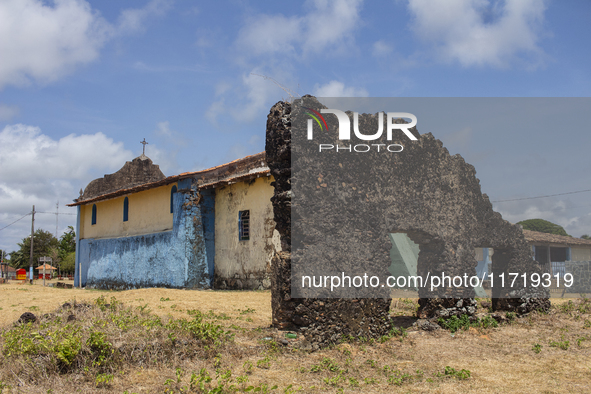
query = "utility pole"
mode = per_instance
[
  {"x": 57, "y": 208},
  {"x": 31, "y": 255}
]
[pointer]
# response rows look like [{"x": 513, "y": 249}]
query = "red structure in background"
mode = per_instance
[{"x": 21, "y": 274}]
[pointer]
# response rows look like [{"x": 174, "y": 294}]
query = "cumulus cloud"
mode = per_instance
[
  {"x": 245, "y": 101},
  {"x": 43, "y": 42},
  {"x": 134, "y": 19},
  {"x": 568, "y": 213},
  {"x": 338, "y": 89},
  {"x": 381, "y": 48},
  {"x": 327, "y": 26},
  {"x": 7, "y": 112},
  {"x": 36, "y": 169},
  {"x": 163, "y": 129},
  {"x": 480, "y": 32},
  {"x": 30, "y": 156}
]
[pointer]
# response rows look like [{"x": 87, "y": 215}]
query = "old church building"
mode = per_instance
[{"x": 210, "y": 228}]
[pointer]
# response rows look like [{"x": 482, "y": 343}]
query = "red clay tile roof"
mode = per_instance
[
  {"x": 241, "y": 169},
  {"x": 536, "y": 237}
]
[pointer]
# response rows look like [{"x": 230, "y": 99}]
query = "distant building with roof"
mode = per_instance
[
  {"x": 214, "y": 227},
  {"x": 549, "y": 248}
]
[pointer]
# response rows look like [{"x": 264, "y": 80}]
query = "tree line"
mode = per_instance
[{"x": 62, "y": 251}]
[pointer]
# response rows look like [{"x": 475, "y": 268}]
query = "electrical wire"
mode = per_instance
[
  {"x": 15, "y": 221},
  {"x": 549, "y": 195},
  {"x": 53, "y": 213}
]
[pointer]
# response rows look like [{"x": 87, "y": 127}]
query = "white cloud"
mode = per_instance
[
  {"x": 258, "y": 93},
  {"x": 338, "y": 89},
  {"x": 7, "y": 112},
  {"x": 331, "y": 23},
  {"x": 244, "y": 102},
  {"x": 43, "y": 42},
  {"x": 579, "y": 226},
  {"x": 566, "y": 213},
  {"x": 134, "y": 19},
  {"x": 165, "y": 150},
  {"x": 270, "y": 34},
  {"x": 163, "y": 129},
  {"x": 381, "y": 48},
  {"x": 480, "y": 32},
  {"x": 38, "y": 170},
  {"x": 30, "y": 156},
  {"x": 327, "y": 26},
  {"x": 164, "y": 158},
  {"x": 216, "y": 109}
]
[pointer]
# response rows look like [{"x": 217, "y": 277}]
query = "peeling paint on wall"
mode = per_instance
[
  {"x": 176, "y": 258},
  {"x": 245, "y": 264}
]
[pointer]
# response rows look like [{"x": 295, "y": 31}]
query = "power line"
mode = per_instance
[
  {"x": 549, "y": 195},
  {"x": 54, "y": 213},
  {"x": 15, "y": 221}
]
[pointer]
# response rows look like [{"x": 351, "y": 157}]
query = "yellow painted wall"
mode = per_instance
[
  {"x": 234, "y": 258},
  {"x": 580, "y": 254},
  {"x": 149, "y": 212}
]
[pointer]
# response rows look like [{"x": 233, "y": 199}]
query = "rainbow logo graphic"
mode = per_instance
[{"x": 315, "y": 115}]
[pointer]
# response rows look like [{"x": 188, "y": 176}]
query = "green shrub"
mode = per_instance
[
  {"x": 464, "y": 322},
  {"x": 462, "y": 374}
]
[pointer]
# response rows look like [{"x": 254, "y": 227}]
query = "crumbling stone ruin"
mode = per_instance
[
  {"x": 432, "y": 196},
  {"x": 136, "y": 172}
]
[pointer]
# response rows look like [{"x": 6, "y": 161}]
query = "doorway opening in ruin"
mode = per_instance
[
  {"x": 484, "y": 270},
  {"x": 404, "y": 256}
]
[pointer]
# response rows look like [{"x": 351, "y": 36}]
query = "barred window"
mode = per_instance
[{"x": 243, "y": 225}]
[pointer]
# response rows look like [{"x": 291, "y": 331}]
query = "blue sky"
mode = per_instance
[{"x": 83, "y": 82}]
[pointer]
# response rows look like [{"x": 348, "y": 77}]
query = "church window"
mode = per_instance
[
  {"x": 243, "y": 225},
  {"x": 93, "y": 213},
  {"x": 126, "y": 209},
  {"x": 172, "y": 191}
]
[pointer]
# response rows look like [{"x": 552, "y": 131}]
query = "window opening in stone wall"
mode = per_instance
[
  {"x": 93, "y": 214},
  {"x": 243, "y": 225},
  {"x": 172, "y": 191},
  {"x": 126, "y": 209}
]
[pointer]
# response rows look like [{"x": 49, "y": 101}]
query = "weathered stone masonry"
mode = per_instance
[{"x": 433, "y": 197}]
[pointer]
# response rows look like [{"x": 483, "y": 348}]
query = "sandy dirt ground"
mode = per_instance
[{"x": 500, "y": 360}]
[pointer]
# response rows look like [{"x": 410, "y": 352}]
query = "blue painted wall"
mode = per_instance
[
  {"x": 177, "y": 258},
  {"x": 77, "y": 256}
]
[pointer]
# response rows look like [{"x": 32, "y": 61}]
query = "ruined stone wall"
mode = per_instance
[
  {"x": 432, "y": 196},
  {"x": 321, "y": 321},
  {"x": 581, "y": 272},
  {"x": 136, "y": 172}
]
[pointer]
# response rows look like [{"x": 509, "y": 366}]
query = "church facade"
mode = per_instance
[{"x": 210, "y": 228}]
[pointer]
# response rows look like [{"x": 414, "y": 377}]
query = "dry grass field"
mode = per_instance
[{"x": 156, "y": 341}]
